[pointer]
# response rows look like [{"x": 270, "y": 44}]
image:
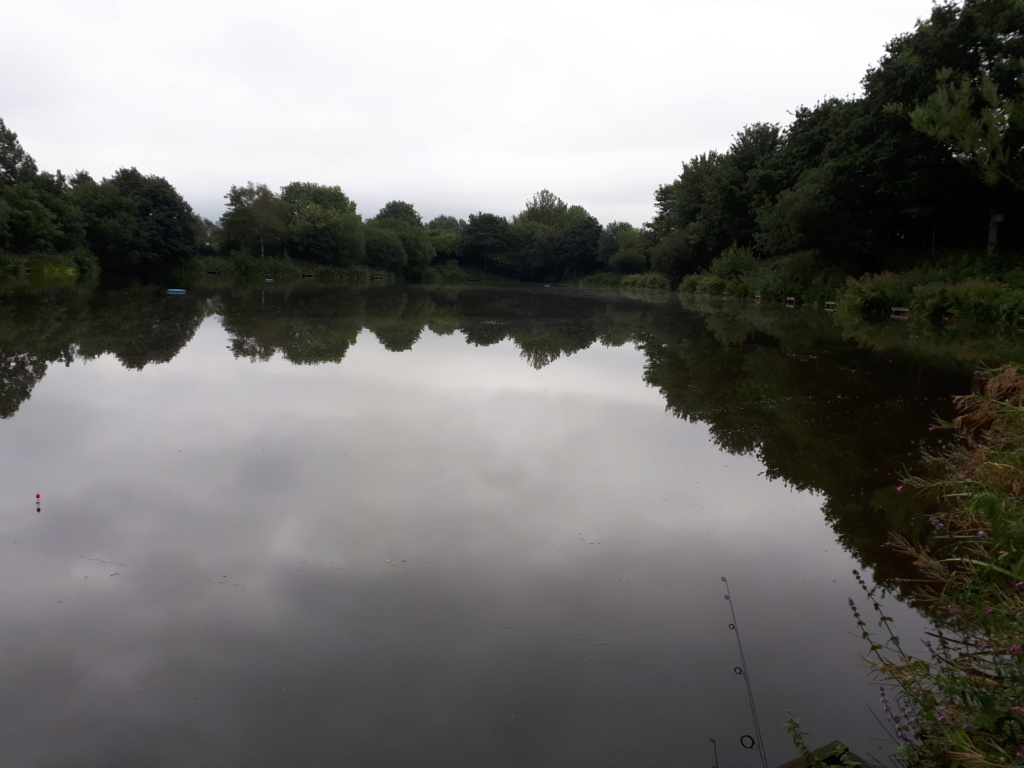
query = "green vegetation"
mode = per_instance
[
  {"x": 962, "y": 706},
  {"x": 857, "y": 201},
  {"x": 927, "y": 160}
]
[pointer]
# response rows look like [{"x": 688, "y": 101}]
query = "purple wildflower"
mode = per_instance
[{"x": 982, "y": 535}]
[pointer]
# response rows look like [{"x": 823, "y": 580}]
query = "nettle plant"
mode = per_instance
[{"x": 962, "y": 702}]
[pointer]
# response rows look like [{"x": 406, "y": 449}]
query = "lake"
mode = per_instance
[{"x": 305, "y": 524}]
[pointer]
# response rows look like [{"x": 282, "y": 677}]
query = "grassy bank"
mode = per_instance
[
  {"x": 963, "y": 705},
  {"x": 249, "y": 266},
  {"x": 48, "y": 263},
  {"x": 964, "y": 286}
]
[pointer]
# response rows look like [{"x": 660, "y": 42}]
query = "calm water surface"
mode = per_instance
[{"x": 304, "y": 525}]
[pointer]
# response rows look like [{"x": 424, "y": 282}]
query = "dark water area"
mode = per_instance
[{"x": 299, "y": 524}]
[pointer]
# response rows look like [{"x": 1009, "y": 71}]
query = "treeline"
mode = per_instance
[
  {"x": 132, "y": 221},
  {"x": 547, "y": 240},
  {"x": 929, "y": 159},
  {"x": 127, "y": 221}
]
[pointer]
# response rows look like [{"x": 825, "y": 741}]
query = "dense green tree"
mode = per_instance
[
  {"x": 328, "y": 236},
  {"x": 256, "y": 221},
  {"x": 551, "y": 240},
  {"x": 694, "y": 208},
  {"x": 829, "y": 188},
  {"x": 111, "y": 222},
  {"x": 971, "y": 42},
  {"x": 675, "y": 256},
  {"x": 37, "y": 212},
  {"x": 165, "y": 222},
  {"x": 384, "y": 249},
  {"x": 400, "y": 211},
  {"x": 16, "y": 165},
  {"x": 299, "y": 194},
  {"x": 488, "y": 240},
  {"x": 446, "y": 224},
  {"x": 983, "y": 129},
  {"x": 26, "y": 223},
  {"x": 323, "y": 225},
  {"x": 207, "y": 235},
  {"x": 979, "y": 125},
  {"x": 132, "y": 220},
  {"x": 623, "y": 248},
  {"x": 714, "y": 200},
  {"x": 447, "y": 245},
  {"x": 576, "y": 248},
  {"x": 403, "y": 220},
  {"x": 544, "y": 208}
]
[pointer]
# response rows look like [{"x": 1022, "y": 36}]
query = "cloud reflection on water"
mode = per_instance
[{"x": 442, "y": 557}]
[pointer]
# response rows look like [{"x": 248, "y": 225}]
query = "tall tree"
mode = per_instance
[
  {"x": 416, "y": 244},
  {"x": 323, "y": 224},
  {"x": 983, "y": 129},
  {"x": 256, "y": 220},
  {"x": 166, "y": 223},
  {"x": 299, "y": 194},
  {"x": 384, "y": 249},
  {"x": 488, "y": 240},
  {"x": 328, "y": 236},
  {"x": 939, "y": 72},
  {"x": 446, "y": 224},
  {"x": 544, "y": 208},
  {"x": 16, "y": 164},
  {"x": 399, "y": 210}
]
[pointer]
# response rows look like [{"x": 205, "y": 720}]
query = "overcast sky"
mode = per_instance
[{"x": 455, "y": 106}]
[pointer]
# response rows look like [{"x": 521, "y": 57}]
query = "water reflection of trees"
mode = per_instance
[
  {"x": 821, "y": 412},
  {"x": 822, "y": 408},
  {"x": 39, "y": 326}
]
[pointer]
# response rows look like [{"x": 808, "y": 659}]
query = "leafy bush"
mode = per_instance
[
  {"x": 737, "y": 273},
  {"x": 934, "y": 295},
  {"x": 449, "y": 272},
  {"x": 874, "y": 294},
  {"x": 49, "y": 262},
  {"x": 601, "y": 280},
  {"x": 648, "y": 281},
  {"x": 733, "y": 262}
]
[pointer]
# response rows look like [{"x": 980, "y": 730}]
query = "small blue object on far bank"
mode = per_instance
[
  {"x": 268, "y": 280},
  {"x": 176, "y": 291}
]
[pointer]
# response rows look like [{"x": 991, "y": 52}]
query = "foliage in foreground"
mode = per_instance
[{"x": 964, "y": 705}]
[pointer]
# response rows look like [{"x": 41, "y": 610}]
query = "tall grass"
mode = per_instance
[
  {"x": 963, "y": 705},
  {"x": 937, "y": 296},
  {"x": 49, "y": 263}
]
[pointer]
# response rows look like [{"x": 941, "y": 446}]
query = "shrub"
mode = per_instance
[
  {"x": 874, "y": 294},
  {"x": 648, "y": 281},
  {"x": 733, "y": 262}
]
